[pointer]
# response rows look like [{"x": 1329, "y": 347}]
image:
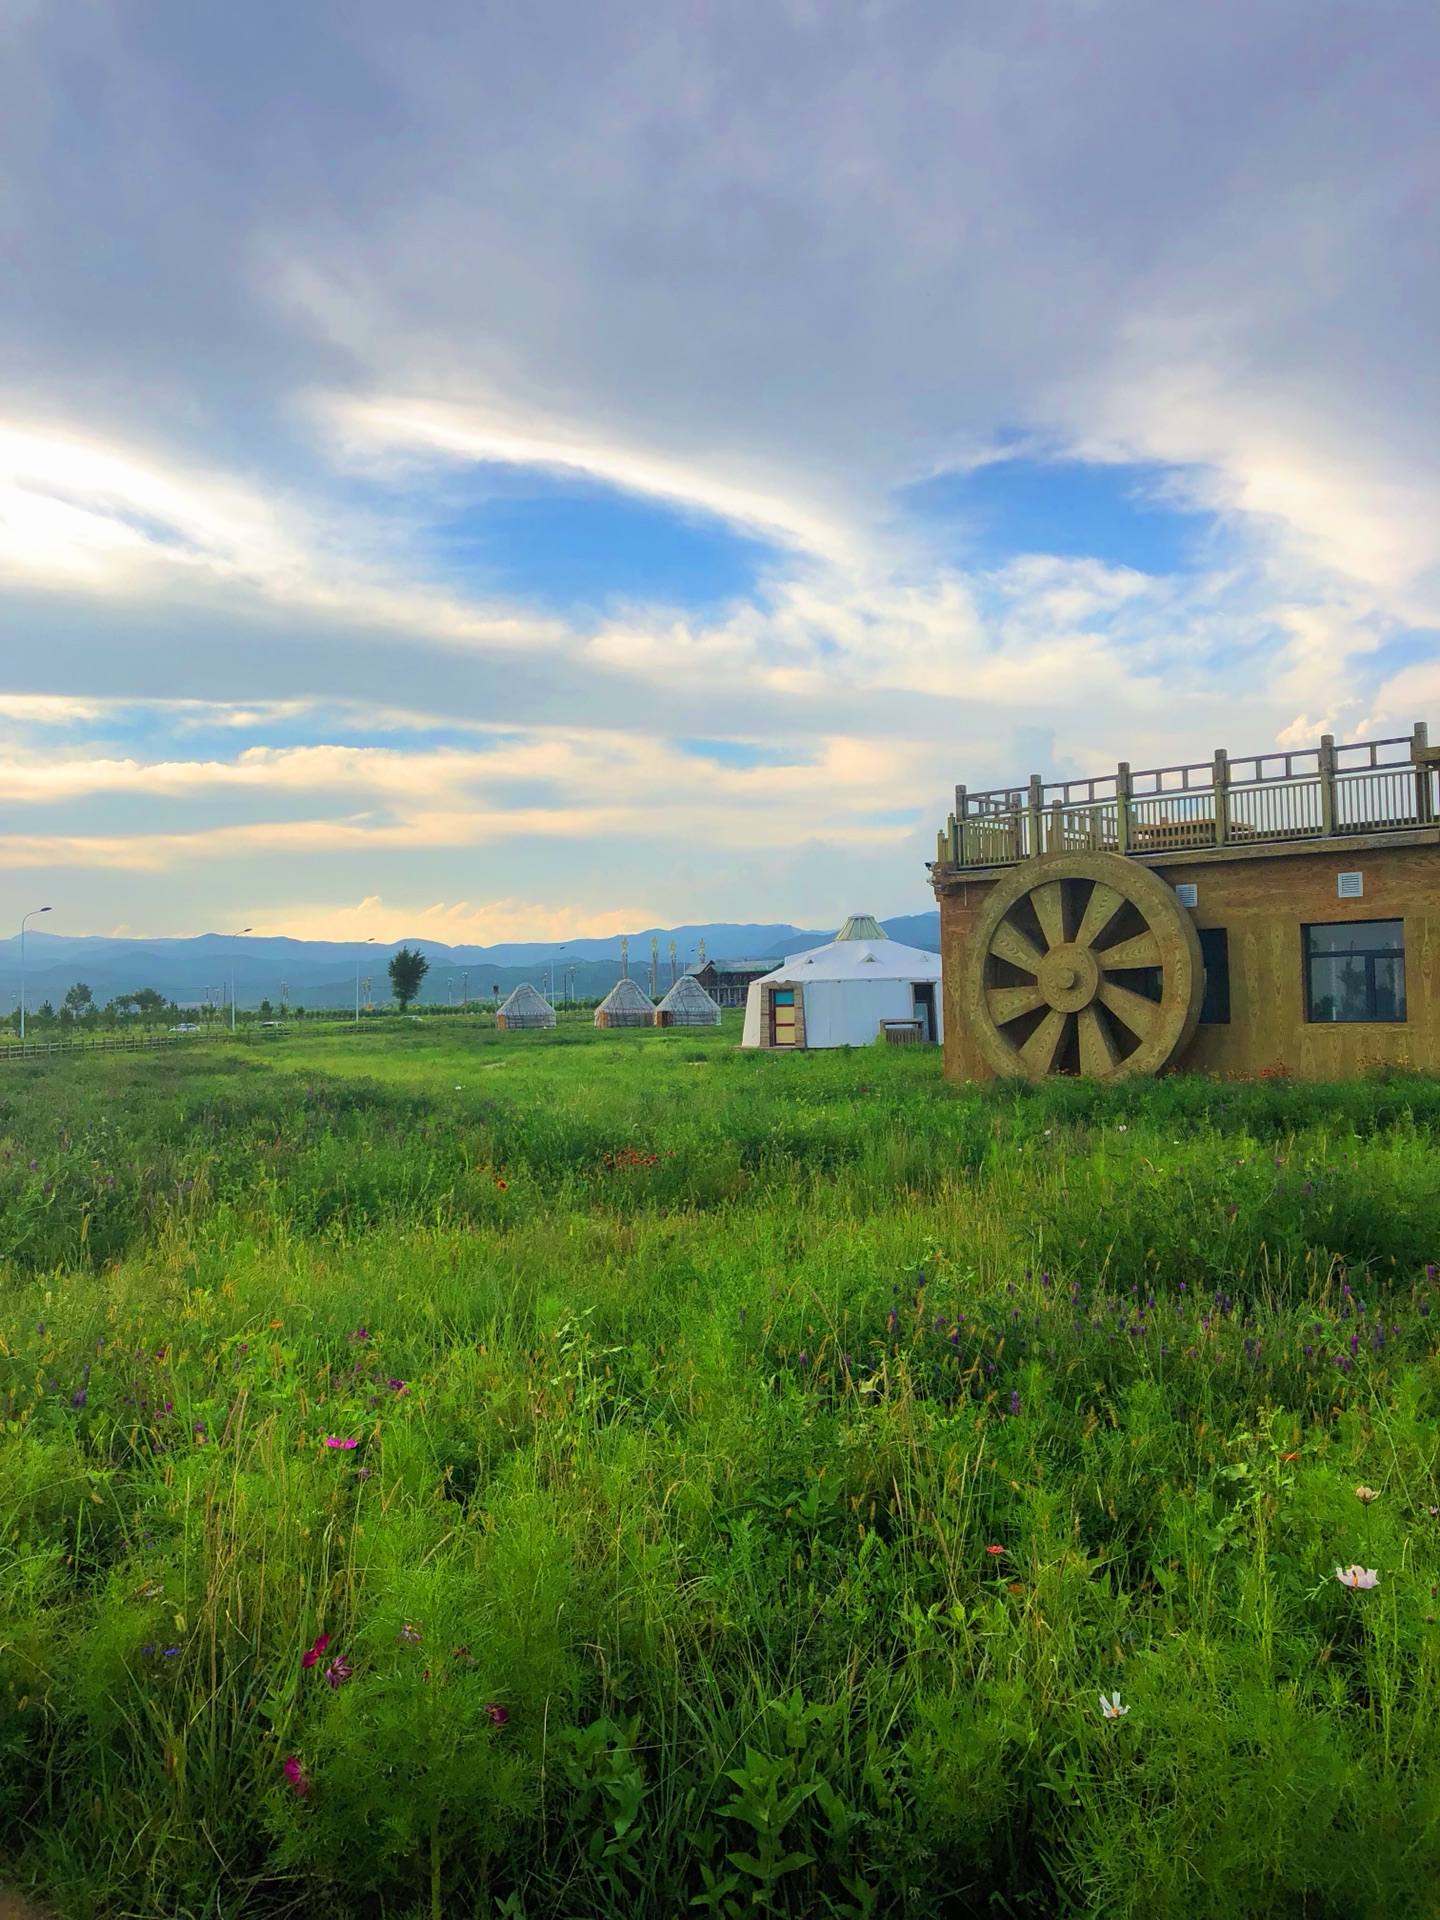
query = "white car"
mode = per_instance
[{"x": 186, "y": 1026}]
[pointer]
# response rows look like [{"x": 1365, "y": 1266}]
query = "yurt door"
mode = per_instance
[{"x": 782, "y": 1016}]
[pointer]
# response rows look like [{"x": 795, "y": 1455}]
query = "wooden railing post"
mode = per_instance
[
  {"x": 962, "y": 801},
  {"x": 1327, "y": 783},
  {"x": 1421, "y": 752},
  {"x": 1034, "y": 810},
  {"x": 1221, "y": 778},
  {"x": 1122, "y": 807}
]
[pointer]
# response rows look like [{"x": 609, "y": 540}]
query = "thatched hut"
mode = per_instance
[
  {"x": 687, "y": 1004},
  {"x": 625, "y": 1006},
  {"x": 525, "y": 1008}
]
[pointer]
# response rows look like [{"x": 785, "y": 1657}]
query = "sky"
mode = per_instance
[{"x": 516, "y": 472}]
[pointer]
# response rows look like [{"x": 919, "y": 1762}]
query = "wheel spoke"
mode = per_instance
[
  {"x": 1049, "y": 904},
  {"x": 1103, "y": 906},
  {"x": 1137, "y": 1013},
  {"x": 1039, "y": 1051},
  {"x": 1011, "y": 945},
  {"x": 1142, "y": 951},
  {"x": 1008, "y": 1003},
  {"x": 1097, "y": 1048}
]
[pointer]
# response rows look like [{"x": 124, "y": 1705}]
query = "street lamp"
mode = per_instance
[
  {"x": 29, "y": 916},
  {"x": 232, "y": 984},
  {"x": 369, "y": 943}
]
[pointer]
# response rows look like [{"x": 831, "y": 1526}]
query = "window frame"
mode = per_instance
[{"x": 1370, "y": 1018}]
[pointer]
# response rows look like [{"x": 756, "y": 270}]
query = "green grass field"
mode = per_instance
[{"x": 714, "y": 1483}]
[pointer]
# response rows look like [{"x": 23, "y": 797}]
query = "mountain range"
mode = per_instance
[{"x": 322, "y": 973}]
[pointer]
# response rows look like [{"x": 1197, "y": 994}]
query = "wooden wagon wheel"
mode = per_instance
[{"x": 1082, "y": 963}]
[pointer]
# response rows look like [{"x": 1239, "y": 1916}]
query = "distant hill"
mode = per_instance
[{"x": 321, "y": 973}]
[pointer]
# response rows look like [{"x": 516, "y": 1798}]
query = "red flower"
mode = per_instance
[
  {"x": 309, "y": 1659},
  {"x": 296, "y": 1774},
  {"x": 501, "y": 1185},
  {"x": 994, "y": 1549}
]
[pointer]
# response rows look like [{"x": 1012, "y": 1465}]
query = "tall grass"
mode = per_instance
[{"x": 760, "y": 1468}]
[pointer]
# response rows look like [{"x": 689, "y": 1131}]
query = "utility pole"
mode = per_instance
[
  {"x": 672, "y": 963},
  {"x": 624, "y": 956},
  {"x": 654, "y": 968}
]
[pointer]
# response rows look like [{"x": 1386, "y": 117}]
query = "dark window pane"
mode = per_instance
[
  {"x": 1389, "y": 988},
  {"x": 1356, "y": 970},
  {"x": 1359, "y": 936},
  {"x": 1215, "y": 951}
]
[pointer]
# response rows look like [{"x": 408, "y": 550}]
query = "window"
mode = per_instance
[
  {"x": 1215, "y": 951},
  {"x": 1355, "y": 971}
]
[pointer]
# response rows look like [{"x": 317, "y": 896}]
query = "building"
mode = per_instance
[
  {"x": 1275, "y": 914},
  {"x": 687, "y": 1005},
  {"x": 525, "y": 1008},
  {"x": 728, "y": 981},
  {"x": 626, "y": 1005},
  {"x": 860, "y": 988}
]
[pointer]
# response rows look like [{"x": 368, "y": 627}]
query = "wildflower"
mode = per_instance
[
  {"x": 410, "y": 1635},
  {"x": 1361, "y": 1577},
  {"x": 1122, "y": 1128},
  {"x": 334, "y": 1440},
  {"x": 498, "y": 1714},
  {"x": 1110, "y": 1706},
  {"x": 1015, "y": 1404},
  {"x": 362, "y": 1473},
  {"x": 804, "y": 1359},
  {"x": 338, "y": 1672},
  {"x": 1367, "y": 1494},
  {"x": 78, "y": 1399},
  {"x": 309, "y": 1659},
  {"x": 1286, "y": 1458},
  {"x": 1433, "y": 1512},
  {"x": 398, "y": 1386},
  {"x": 463, "y": 1655},
  {"x": 995, "y": 1549},
  {"x": 171, "y": 1652},
  {"x": 295, "y": 1773}
]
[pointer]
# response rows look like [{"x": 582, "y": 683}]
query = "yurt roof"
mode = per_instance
[
  {"x": 525, "y": 1001},
  {"x": 626, "y": 997},
  {"x": 880, "y": 959},
  {"x": 861, "y": 926},
  {"x": 688, "y": 996}
]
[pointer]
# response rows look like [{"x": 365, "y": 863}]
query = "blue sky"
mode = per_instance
[{"x": 522, "y": 472}]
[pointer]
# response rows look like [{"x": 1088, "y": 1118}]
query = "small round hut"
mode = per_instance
[
  {"x": 687, "y": 1005},
  {"x": 525, "y": 1008},
  {"x": 625, "y": 1006}
]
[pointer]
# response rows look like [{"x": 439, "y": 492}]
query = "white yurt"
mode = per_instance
[
  {"x": 626, "y": 1005},
  {"x": 525, "y": 1008},
  {"x": 687, "y": 1005},
  {"x": 861, "y": 988}
]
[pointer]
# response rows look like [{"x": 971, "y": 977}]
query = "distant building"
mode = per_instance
[
  {"x": 728, "y": 981},
  {"x": 860, "y": 988},
  {"x": 626, "y": 1005},
  {"x": 687, "y": 1005},
  {"x": 1276, "y": 914},
  {"x": 525, "y": 1008}
]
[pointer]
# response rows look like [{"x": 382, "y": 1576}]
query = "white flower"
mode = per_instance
[
  {"x": 1122, "y": 1128},
  {"x": 1110, "y": 1706},
  {"x": 1362, "y": 1577},
  {"x": 1367, "y": 1494}
]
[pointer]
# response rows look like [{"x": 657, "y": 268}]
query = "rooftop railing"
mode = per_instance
[{"x": 1315, "y": 793}]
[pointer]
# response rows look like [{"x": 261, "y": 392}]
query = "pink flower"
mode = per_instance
[
  {"x": 994, "y": 1549},
  {"x": 1361, "y": 1577},
  {"x": 498, "y": 1714},
  {"x": 338, "y": 1672},
  {"x": 309, "y": 1659},
  {"x": 296, "y": 1774},
  {"x": 333, "y": 1440},
  {"x": 410, "y": 1635}
]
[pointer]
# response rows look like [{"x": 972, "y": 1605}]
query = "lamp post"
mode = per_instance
[
  {"x": 232, "y": 984},
  {"x": 26, "y": 917},
  {"x": 369, "y": 943}
]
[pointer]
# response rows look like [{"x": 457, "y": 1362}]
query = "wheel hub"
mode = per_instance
[{"x": 1069, "y": 978}]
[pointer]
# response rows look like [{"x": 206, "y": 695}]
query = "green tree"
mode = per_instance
[
  {"x": 407, "y": 970},
  {"x": 79, "y": 1000}
]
